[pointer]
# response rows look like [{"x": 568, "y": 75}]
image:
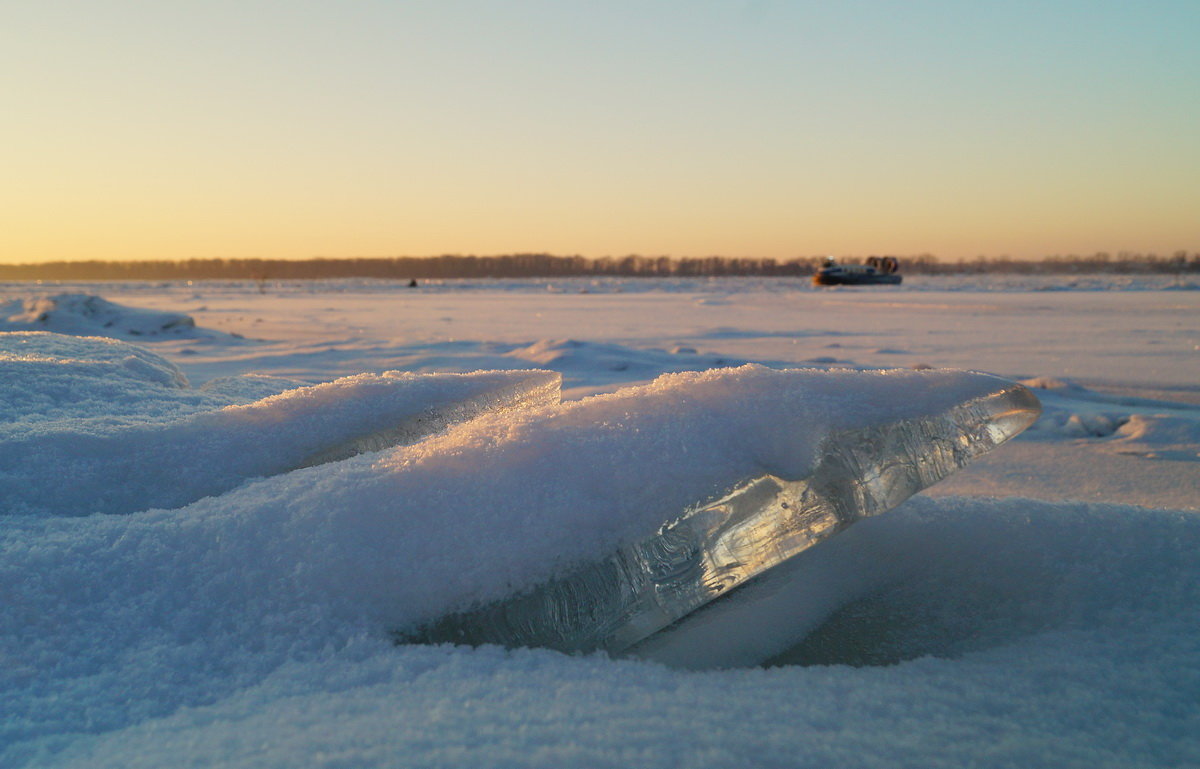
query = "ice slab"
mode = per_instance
[{"x": 761, "y": 522}]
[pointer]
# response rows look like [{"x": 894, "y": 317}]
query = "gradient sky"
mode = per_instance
[{"x": 169, "y": 130}]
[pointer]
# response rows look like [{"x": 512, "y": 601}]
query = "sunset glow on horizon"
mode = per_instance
[{"x": 768, "y": 129}]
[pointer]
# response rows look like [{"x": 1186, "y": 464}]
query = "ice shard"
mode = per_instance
[{"x": 719, "y": 544}]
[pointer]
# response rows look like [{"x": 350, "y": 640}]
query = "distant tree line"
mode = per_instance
[
  {"x": 1102, "y": 262},
  {"x": 404, "y": 268},
  {"x": 549, "y": 266}
]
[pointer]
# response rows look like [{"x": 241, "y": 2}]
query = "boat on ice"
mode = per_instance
[{"x": 879, "y": 270}]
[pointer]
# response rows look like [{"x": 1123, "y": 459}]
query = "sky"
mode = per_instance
[{"x": 171, "y": 130}]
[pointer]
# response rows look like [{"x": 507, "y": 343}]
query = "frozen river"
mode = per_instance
[{"x": 1038, "y": 608}]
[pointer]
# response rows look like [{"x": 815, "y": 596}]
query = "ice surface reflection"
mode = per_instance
[{"x": 719, "y": 545}]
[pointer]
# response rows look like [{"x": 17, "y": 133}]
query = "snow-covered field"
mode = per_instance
[{"x": 160, "y": 607}]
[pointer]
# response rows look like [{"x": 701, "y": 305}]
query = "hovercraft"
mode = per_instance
[{"x": 878, "y": 271}]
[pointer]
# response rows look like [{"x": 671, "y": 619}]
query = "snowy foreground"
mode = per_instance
[{"x": 220, "y": 503}]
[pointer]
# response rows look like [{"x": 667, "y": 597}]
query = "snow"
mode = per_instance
[
  {"x": 91, "y": 432},
  {"x": 88, "y": 314},
  {"x": 1054, "y": 623}
]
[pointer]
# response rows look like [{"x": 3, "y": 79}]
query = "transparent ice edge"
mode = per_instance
[{"x": 615, "y": 603}]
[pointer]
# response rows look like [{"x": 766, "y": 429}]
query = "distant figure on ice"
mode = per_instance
[{"x": 412, "y": 283}]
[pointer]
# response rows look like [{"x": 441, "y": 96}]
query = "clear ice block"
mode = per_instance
[{"x": 716, "y": 546}]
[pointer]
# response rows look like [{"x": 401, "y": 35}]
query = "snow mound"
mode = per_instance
[
  {"x": 95, "y": 384},
  {"x": 124, "y": 428},
  {"x": 90, "y": 315},
  {"x": 1124, "y": 424},
  {"x": 125, "y": 360},
  {"x": 47, "y": 378},
  {"x": 1158, "y": 436}
]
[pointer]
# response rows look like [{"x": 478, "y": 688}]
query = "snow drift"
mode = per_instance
[
  {"x": 90, "y": 315},
  {"x": 183, "y": 448}
]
